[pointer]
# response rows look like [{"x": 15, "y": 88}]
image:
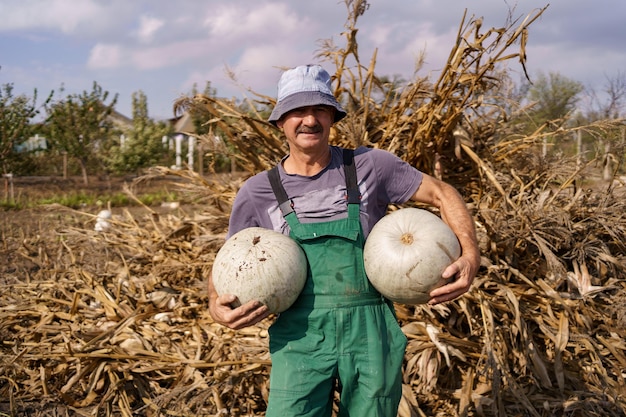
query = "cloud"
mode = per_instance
[
  {"x": 160, "y": 46},
  {"x": 246, "y": 38},
  {"x": 379, "y": 34},
  {"x": 261, "y": 66},
  {"x": 169, "y": 55},
  {"x": 105, "y": 56},
  {"x": 148, "y": 27},
  {"x": 66, "y": 16},
  {"x": 257, "y": 69},
  {"x": 234, "y": 22}
]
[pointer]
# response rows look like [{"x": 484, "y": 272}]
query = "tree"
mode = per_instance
[
  {"x": 143, "y": 145},
  {"x": 209, "y": 135},
  {"x": 554, "y": 97},
  {"x": 16, "y": 115},
  {"x": 200, "y": 116},
  {"x": 79, "y": 125},
  {"x": 611, "y": 143},
  {"x": 612, "y": 105}
]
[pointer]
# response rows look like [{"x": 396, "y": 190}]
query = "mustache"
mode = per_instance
[{"x": 309, "y": 129}]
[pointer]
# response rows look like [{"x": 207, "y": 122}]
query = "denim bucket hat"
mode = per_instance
[{"x": 307, "y": 85}]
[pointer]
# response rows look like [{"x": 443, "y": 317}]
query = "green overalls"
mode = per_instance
[{"x": 340, "y": 330}]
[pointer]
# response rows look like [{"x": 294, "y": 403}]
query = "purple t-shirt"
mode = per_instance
[{"x": 383, "y": 179}]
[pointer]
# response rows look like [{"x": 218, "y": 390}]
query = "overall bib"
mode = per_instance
[{"x": 340, "y": 331}]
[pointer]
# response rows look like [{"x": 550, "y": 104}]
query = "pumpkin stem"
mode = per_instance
[{"x": 407, "y": 238}]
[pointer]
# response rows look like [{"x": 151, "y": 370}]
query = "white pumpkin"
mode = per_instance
[
  {"x": 406, "y": 252},
  {"x": 261, "y": 264}
]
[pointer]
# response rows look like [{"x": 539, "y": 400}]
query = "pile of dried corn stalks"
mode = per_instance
[{"x": 116, "y": 323}]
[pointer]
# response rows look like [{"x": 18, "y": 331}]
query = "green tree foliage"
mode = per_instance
[
  {"x": 207, "y": 132},
  {"x": 143, "y": 145},
  {"x": 16, "y": 115},
  {"x": 551, "y": 100},
  {"x": 554, "y": 97},
  {"x": 201, "y": 116},
  {"x": 80, "y": 125}
]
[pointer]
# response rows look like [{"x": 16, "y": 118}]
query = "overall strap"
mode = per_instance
[
  {"x": 354, "y": 196},
  {"x": 286, "y": 204}
]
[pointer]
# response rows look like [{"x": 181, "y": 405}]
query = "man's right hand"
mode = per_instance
[{"x": 249, "y": 314}]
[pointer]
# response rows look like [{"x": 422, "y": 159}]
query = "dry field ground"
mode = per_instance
[
  {"x": 17, "y": 226},
  {"x": 115, "y": 324}
]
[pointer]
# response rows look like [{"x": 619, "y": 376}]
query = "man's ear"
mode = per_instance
[{"x": 279, "y": 123}]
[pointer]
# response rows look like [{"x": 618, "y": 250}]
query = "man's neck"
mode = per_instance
[{"x": 307, "y": 164}]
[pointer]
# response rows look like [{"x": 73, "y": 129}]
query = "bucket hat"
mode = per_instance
[{"x": 306, "y": 85}]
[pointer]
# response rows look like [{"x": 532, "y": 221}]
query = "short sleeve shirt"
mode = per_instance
[{"x": 382, "y": 177}]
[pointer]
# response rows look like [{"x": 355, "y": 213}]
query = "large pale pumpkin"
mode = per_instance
[
  {"x": 406, "y": 252},
  {"x": 260, "y": 264}
]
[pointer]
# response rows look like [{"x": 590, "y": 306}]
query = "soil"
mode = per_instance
[
  {"x": 41, "y": 221},
  {"x": 50, "y": 186}
]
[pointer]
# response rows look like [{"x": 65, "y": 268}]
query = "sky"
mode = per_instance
[{"x": 163, "y": 48}]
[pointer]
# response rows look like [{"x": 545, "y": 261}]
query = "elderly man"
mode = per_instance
[{"x": 340, "y": 333}]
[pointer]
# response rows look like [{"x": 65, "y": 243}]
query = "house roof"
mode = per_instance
[
  {"x": 184, "y": 124},
  {"x": 120, "y": 120}
]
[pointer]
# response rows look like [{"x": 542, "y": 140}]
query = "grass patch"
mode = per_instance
[{"x": 81, "y": 199}]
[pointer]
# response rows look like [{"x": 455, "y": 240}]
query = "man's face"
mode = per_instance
[{"x": 307, "y": 127}]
